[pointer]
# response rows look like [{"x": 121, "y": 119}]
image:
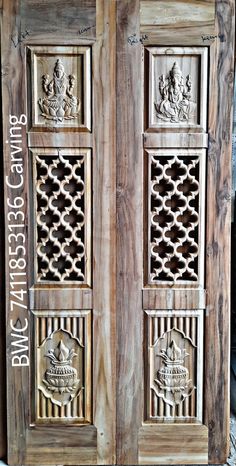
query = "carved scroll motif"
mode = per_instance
[
  {"x": 61, "y": 218},
  {"x": 174, "y": 218},
  {"x": 175, "y": 105},
  {"x": 60, "y": 103}
]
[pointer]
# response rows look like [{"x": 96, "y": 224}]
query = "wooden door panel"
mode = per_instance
[
  {"x": 60, "y": 209},
  {"x": 116, "y": 129},
  {"x": 174, "y": 240},
  {"x": 177, "y": 339},
  {"x": 156, "y": 40}
]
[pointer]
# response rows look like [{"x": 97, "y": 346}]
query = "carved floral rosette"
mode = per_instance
[{"x": 60, "y": 367}]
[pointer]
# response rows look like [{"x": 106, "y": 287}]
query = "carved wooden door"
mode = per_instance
[
  {"x": 117, "y": 185},
  {"x": 175, "y": 79},
  {"x": 58, "y": 106}
]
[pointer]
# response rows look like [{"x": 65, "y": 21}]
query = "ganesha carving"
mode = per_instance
[{"x": 175, "y": 105}]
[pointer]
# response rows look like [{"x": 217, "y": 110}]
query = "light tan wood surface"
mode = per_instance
[
  {"x": 218, "y": 233},
  {"x": 184, "y": 447},
  {"x": 190, "y": 22},
  {"x": 119, "y": 185},
  {"x": 61, "y": 408}
]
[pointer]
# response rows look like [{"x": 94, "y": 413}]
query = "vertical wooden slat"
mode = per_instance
[
  {"x": 129, "y": 233},
  {"x": 13, "y": 86},
  {"x": 217, "y": 335},
  {"x": 3, "y": 424},
  {"x": 104, "y": 247}
]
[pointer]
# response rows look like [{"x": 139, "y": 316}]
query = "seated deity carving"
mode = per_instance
[
  {"x": 60, "y": 103},
  {"x": 175, "y": 105}
]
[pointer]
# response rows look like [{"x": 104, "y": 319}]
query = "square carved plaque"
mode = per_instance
[
  {"x": 177, "y": 88},
  {"x": 60, "y": 89}
]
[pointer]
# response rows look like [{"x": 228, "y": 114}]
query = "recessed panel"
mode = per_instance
[
  {"x": 175, "y": 217},
  {"x": 177, "y": 88},
  {"x": 63, "y": 366},
  {"x": 62, "y": 216},
  {"x": 174, "y": 366},
  {"x": 60, "y": 91}
]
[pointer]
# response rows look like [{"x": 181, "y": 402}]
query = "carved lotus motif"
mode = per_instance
[
  {"x": 61, "y": 377},
  {"x": 173, "y": 378},
  {"x": 60, "y": 367}
]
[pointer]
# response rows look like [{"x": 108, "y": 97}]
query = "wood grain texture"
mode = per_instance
[
  {"x": 29, "y": 444},
  {"x": 177, "y": 14},
  {"x": 183, "y": 140},
  {"x": 52, "y": 297},
  {"x": 174, "y": 444},
  {"x": 17, "y": 377},
  {"x": 129, "y": 234},
  {"x": 43, "y": 20},
  {"x": 169, "y": 298},
  {"x": 104, "y": 221},
  {"x": 3, "y": 414},
  {"x": 37, "y": 139},
  {"x": 79, "y": 446},
  {"x": 191, "y": 22},
  {"x": 217, "y": 337}
]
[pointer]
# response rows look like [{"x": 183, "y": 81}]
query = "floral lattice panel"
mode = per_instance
[
  {"x": 175, "y": 237},
  {"x": 62, "y": 211},
  {"x": 177, "y": 88},
  {"x": 174, "y": 365},
  {"x": 63, "y": 366},
  {"x": 60, "y": 88}
]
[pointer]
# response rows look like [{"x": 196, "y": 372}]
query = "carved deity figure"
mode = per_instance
[
  {"x": 175, "y": 94},
  {"x": 60, "y": 102}
]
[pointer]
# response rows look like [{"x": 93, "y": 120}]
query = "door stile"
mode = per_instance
[
  {"x": 3, "y": 423},
  {"x": 104, "y": 232},
  {"x": 129, "y": 232},
  {"x": 218, "y": 234},
  {"x": 17, "y": 323}
]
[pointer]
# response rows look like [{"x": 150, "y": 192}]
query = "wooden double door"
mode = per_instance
[{"x": 116, "y": 133}]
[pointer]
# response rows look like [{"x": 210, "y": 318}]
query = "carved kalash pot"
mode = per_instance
[
  {"x": 61, "y": 376},
  {"x": 173, "y": 376}
]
